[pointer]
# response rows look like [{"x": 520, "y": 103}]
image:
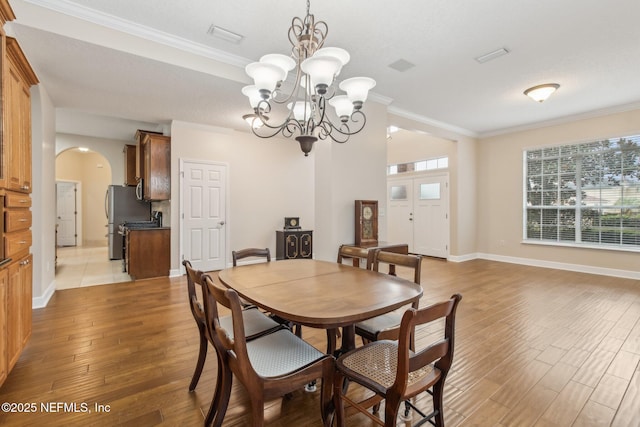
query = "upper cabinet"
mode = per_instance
[
  {"x": 19, "y": 78},
  {"x": 154, "y": 165},
  {"x": 130, "y": 177}
]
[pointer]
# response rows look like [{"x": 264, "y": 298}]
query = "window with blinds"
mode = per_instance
[{"x": 586, "y": 194}]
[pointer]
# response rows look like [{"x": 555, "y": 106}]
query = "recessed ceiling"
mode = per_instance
[{"x": 153, "y": 61}]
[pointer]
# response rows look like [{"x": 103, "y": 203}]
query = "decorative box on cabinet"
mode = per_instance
[{"x": 292, "y": 244}]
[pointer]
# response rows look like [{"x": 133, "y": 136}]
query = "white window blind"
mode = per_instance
[{"x": 586, "y": 194}]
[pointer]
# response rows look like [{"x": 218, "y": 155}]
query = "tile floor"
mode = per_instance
[{"x": 87, "y": 266}]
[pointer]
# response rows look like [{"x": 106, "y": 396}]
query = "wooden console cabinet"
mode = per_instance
[
  {"x": 293, "y": 244},
  {"x": 16, "y": 265}
]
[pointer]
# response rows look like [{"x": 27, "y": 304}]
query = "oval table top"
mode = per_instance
[{"x": 319, "y": 294}]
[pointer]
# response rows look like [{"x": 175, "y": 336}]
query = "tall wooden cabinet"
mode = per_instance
[{"x": 16, "y": 266}]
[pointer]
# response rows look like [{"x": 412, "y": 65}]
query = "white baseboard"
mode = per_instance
[
  {"x": 43, "y": 300},
  {"x": 580, "y": 268}
]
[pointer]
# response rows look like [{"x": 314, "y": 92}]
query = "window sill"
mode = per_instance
[{"x": 581, "y": 246}]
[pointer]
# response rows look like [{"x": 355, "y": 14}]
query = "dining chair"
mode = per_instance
[
  {"x": 256, "y": 323},
  {"x": 354, "y": 253},
  {"x": 387, "y": 326},
  {"x": 266, "y": 254},
  {"x": 345, "y": 253},
  {"x": 395, "y": 373},
  {"x": 269, "y": 366},
  {"x": 250, "y": 253}
]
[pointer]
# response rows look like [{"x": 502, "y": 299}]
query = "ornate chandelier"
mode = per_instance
[{"x": 316, "y": 67}]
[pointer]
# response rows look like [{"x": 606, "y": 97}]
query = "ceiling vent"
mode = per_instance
[
  {"x": 223, "y": 34},
  {"x": 402, "y": 65},
  {"x": 492, "y": 55}
]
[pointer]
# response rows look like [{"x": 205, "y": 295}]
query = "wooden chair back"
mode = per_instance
[
  {"x": 395, "y": 259},
  {"x": 193, "y": 280},
  {"x": 440, "y": 352},
  {"x": 235, "y": 360},
  {"x": 197, "y": 310},
  {"x": 412, "y": 375},
  {"x": 250, "y": 253},
  {"x": 346, "y": 252}
]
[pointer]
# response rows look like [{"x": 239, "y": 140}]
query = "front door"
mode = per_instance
[
  {"x": 204, "y": 192},
  {"x": 418, "y": 213},
  {"x": 431, "y": 216}
]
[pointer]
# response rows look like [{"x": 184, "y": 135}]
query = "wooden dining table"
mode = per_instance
[{"x": 320, "y": 294}]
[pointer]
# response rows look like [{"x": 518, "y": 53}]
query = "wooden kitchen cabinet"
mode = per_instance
[
  {"x": 3, "y": 324},
  {"x": 154, "y": 165},
  {"x": 16, "y": 269},
  {"x": 19, "y": 297},
  {"x": 147, "y": 252},
  {"x": 17, "y": 224},
  {"x": 19, "y": 78},
  {"x": 130, "y": 177}
]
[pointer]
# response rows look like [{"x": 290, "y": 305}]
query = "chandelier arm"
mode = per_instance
[
  {"x": 287, "y": 129},
  {"x": 294, "y": 91},
  {"x": 341, "y": 133}
]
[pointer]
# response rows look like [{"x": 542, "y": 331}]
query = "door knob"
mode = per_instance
[{"x": 221, "y": 223}]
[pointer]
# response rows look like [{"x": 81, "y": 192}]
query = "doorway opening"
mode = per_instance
[{"x": 82, "y": 259}]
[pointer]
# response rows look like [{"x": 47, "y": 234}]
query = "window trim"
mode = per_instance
[{"x": 577, "y": 208}]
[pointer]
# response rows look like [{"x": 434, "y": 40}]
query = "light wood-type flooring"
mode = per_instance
[{"x": 534, "y": 347}]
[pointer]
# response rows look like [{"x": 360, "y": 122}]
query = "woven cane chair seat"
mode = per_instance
[{"x": 378, "y": 362}]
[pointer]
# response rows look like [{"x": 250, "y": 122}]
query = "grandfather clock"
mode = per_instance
[{"x": 366, "y": 222}]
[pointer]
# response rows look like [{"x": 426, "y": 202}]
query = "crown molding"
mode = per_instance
[
  {"x": 113, "y": 22},
  {"x": 563, "y": 120},
  {"x": 431, "y": 122}
]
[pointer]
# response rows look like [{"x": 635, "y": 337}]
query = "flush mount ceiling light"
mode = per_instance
[
  {"x": 316, "y": 70},
  {"x": 541, "y": 92}
]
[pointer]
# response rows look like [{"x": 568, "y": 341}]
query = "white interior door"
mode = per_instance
[
  {"x": 204, "y": 190},
  {"x": 431, "y": 216},
  {"x": 66, "y": 213},
  {"x": 418, "y": 214}
]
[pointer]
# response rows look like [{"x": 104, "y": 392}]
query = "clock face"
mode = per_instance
[
  {"x": 293, "y": 222},
  {"x": 367, "y": 213}
]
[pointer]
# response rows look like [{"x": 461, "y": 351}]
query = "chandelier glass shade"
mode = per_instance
[{"x": 307, "y": 117}]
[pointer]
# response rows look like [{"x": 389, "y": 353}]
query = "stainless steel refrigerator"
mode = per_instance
[{"x": 121, "y": 205}]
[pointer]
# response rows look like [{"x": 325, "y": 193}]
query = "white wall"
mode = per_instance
[
  {"x": 500, "y": 188},
  {"x": 268, "y": 180},
  {"x": 43, "y": 196},
  {"x": 355, "y": 170},
  {"x": 111, "y": 149}
]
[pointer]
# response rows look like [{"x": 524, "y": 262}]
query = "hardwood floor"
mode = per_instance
[{"x": 534, "y": 347}]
